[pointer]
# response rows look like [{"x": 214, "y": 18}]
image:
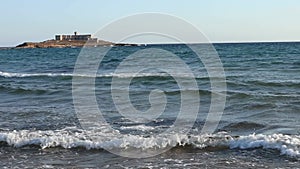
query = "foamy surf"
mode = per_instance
[
  {"x": 285, "y": 144},
  {"x": 118, "y": 75},
  {"x": 11, "y": 74}
]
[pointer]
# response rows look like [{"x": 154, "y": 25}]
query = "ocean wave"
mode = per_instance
[
  {"x": 138, "y": 127},
  {"x": 243, "y": 126},
  {"x": 275, "y": 83},
  {"x": 286, "y": 144},
  {"x": 245, "y": 94},
  {"x": 10, "y": 74},
  {"x": 121, "y": 75},
  {"x": 20, "y": 90},
  {"x": 118, "y": 75}
]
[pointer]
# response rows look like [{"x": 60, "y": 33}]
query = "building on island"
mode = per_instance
[{"x": 75, "y": 37}]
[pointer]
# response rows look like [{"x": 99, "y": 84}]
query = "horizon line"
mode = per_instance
[{"x": 212, "y": 42}]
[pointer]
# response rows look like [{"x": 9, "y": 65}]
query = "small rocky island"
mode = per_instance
[{"x": 64, "y": 41}]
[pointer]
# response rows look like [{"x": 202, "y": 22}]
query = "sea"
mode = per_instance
[{"x": 40, "y": 126}]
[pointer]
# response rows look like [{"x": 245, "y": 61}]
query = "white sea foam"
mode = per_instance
[
  {"x": 286, "y": 144},
  {"x": 138, "y": 127},
  {"x": 119, "y": 75},
  {"x": 10, "y": 74}
]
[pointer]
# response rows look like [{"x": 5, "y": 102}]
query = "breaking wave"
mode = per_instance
[
  {"x": 10, "y": 74},
  {"x": 118, "y": 75},
  {"x": 73, "y": 138}
]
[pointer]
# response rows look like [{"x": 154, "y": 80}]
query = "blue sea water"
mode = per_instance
[{"x": 259, "y": 127}]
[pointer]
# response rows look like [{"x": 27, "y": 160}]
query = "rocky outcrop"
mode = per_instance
[{"x": 65, "y": 44}]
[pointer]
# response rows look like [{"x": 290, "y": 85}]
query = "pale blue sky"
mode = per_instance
[{"x": 219, "y": 20}]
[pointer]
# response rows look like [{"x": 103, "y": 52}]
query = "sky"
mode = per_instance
[{"x": 219, "y": 20}]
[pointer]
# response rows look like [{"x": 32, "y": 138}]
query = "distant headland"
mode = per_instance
[{"x": 75, "y": 40}]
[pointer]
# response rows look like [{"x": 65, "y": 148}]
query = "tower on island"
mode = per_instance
[{"x": 75, "y": 37}]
